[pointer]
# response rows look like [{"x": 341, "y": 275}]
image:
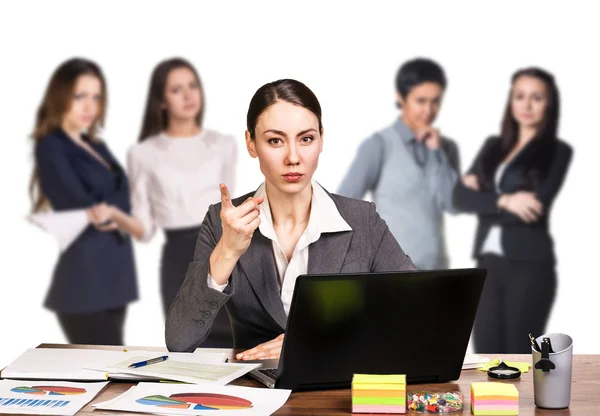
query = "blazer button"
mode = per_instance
[
  {"x": 207, "y": 314},
  {"x": 213, "y": 305},
  {"x": 200, "y": 323}
]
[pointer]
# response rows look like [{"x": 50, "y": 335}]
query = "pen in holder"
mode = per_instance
[{"x": 552, "y": 356}]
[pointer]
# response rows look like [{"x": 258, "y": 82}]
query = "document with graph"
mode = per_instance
[{"x": 31, "y": 397}]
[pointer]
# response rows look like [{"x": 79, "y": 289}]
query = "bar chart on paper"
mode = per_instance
[
  {"x": 43, "y": 398},
  {"x": 19, "y": 402},
  {"x": 16, "y": 403}
]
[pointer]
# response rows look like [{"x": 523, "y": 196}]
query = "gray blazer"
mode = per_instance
[{"x": 252, "y": 296}]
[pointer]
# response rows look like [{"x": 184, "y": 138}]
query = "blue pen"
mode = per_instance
[{"x": 146, "y": 362}]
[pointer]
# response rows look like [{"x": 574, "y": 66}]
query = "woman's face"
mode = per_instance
[
  {"x": 85, "y": 104},
  {"x": 182, "y": 95},
  {"x": 287, "y": 143},
  {"x": 421, "y": 105},
  {"x": 529, "y": 100}
]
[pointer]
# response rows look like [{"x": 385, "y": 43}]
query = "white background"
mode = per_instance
[{"x": 348, "y": 54}]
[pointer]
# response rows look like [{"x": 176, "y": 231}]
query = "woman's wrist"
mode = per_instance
[
  {"x": 223, "y": 254},
  {"x": 503, "y": 202}
]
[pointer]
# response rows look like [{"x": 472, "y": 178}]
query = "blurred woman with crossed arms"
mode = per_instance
[{"x": 511, "y": 187}]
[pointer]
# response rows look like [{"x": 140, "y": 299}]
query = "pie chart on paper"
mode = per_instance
[
  {"x": 49, "y": 390},
  {"x": 197, "y": 401}
]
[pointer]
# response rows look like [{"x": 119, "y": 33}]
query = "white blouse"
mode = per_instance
[
  {"x": 493, "y": 241},
  {"x": 173, "y": 180},
  {"x": 324, "y": 217}
]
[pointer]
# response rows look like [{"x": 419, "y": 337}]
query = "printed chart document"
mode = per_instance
[
  {"x": 186, "y": 399},
  {"x": 64, "y": 226},
  {"x": 86, "y": 364},
  {"x": 46, "y": 398},
  {"x": 186, "y": 369}
]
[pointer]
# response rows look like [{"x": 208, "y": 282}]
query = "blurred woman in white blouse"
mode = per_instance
[{"x": 175, "y": 170}]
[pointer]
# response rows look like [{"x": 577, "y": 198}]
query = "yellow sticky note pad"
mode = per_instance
[
  {"x": 494, "y": 389},
  {"x": 379, "y": 378}
]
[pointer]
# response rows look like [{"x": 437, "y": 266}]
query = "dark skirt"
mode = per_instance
[
  {"x": 98, "y": 328},
  {"x": 178, "y": 252}
]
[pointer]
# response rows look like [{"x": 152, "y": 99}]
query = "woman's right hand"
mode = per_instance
[
  {"x": 239, "y": 223},
  {"x": 525, "y": 205}
]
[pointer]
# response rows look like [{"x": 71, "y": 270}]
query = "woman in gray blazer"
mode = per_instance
[{"x": 251, "y": 249}]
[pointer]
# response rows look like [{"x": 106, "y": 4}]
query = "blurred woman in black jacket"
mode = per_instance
[{"x": 511, "y": 187}]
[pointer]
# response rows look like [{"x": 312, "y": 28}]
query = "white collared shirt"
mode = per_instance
[{"x": 324, "y": 218}]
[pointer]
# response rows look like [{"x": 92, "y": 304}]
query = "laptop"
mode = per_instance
[{"x": 416, "y": 323}]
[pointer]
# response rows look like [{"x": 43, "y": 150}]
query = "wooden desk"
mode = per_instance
[{"x": 585, "y": 389}]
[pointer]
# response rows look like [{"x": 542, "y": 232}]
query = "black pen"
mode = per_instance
[{"x": 146, "y": 362}]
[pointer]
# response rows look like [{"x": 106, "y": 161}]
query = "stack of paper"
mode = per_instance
[
  {"x": 488, "y": 398},
  {"x": 373, "y": 393}
]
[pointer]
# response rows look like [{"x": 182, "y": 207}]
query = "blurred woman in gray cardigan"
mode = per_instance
[
  {"x": 250, "y": 250},
  {"x": 410, "y": 168}
]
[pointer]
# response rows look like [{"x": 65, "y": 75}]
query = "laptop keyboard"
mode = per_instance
[{"x": 269, "y": 372}]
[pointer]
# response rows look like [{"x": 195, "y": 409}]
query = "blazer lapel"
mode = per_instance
[
  {"x": 327, "y": 254},
  {"x": 258, "y": 266}
]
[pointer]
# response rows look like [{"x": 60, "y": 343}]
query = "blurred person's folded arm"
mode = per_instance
[
  {"x": 58, "y": 179},
  {"x": 474, "y": 201},
  {"x": 140, "y": 224},
  {"x": 548, "y": 188},
  {"x": 482, "y": 202},
  {"x": 493, "y": 203},
  {"x": 445, "y": 175},
  {"x": 363, "y": 174},
  {"x": 128, "y": 223}
]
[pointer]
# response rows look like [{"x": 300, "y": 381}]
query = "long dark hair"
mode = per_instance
[
  {"x": 155, "y": 117},
  {"x": 288, "y": 90},
  {"x": 55, "y": 103},
  {"x": 543, "y": 146}
]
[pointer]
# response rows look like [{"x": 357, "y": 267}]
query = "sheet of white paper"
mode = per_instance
[
  {"x": 474, "y": 361},
  {"x": 65, "y": 226},
  {"x": 185, "y": 399},
  {"x": 187, "y": 369},
  {"x": 46, "y": 398},
  {"x": 83, "y": 364}
]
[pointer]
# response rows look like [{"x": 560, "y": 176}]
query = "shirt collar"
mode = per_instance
[
  {"x": 324, "y": 215},
  {"x": 403, "y": 131}
]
